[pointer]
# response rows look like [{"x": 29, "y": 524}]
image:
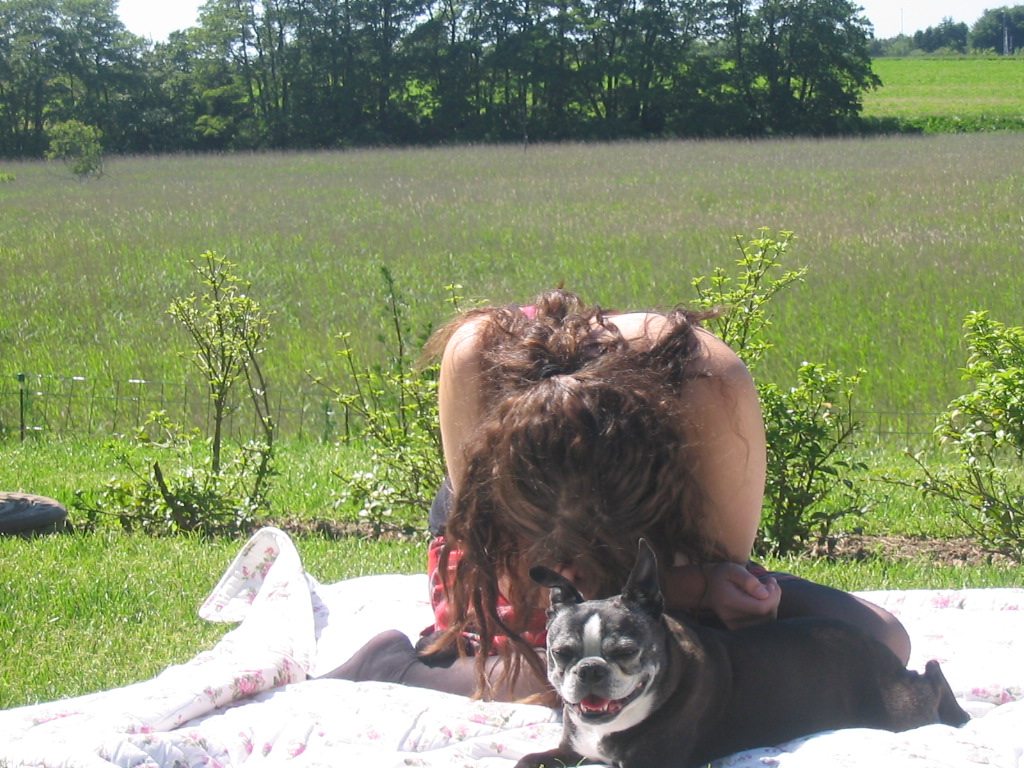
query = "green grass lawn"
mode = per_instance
[
  {"x": 946, "y": 94},
  {"x": 87, "y": 612}
]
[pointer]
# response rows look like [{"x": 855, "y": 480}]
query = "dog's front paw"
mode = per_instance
[{"x": 553, "y": 758}]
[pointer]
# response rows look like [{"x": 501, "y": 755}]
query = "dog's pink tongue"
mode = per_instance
[{"x": 597, "y": 704}]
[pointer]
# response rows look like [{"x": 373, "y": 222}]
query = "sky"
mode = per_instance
[
  {"x": 892, "y": 17},
  {"x": 155, "y": 19}
]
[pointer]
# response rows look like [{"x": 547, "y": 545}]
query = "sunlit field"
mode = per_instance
[
  {"x": 950, "y": 94},
  {"x": 902, "y": 236}
]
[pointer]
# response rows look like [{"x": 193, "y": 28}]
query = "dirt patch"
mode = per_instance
[
  {"x": 347, "y": 529},
  {"x": 957, "y": 551},
  {"x": 845, "y": 547}
]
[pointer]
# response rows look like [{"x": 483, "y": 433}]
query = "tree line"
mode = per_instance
[
  {"x": 332, "y": 73},
  {"x": 998, "y": 30}
]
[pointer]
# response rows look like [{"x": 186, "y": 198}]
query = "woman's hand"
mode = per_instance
[{"x": 737, "y": 597}]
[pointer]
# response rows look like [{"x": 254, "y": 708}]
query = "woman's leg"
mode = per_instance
[
  {"x": 805, "y": 598},
  {"x": 391, "y": 658},
  {"x": 440, "y": 508}
]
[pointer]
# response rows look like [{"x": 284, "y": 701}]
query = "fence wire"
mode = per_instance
[{"x": 34, "y": 404}]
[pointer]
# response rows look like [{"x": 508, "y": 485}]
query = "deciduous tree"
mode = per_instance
[
  {"x": 809, "y": 63},
  {"x": 999, "y": 29},
  {"x": 322, "y": 73}
]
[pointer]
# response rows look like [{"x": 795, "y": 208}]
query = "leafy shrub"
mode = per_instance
[
  {"x": 6, "y": 178},
  {"x": 391, "y": 409},
  {"x": 810, "y": 426},
  {"x": 211, "y": 490},
  {"x": 227, "y": 328},
  {"x": 985, "y": 428},
  {"x": 79, "y": 146},
  {"x": 170, "y": 488},
  {"x": 808, "y": 485},
  {"x": 743, "y": 322}
]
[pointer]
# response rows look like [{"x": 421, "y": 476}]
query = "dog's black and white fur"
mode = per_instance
[{"x": 641, "y": 690}]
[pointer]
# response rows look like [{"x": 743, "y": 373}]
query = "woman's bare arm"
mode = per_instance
[
  {"x": 729, "y": 456},
  {"x": 460, "y": 399}
]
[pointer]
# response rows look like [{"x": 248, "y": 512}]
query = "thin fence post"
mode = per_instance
[
  {"x": 67, "y": 408},
  {"x": 280, "y": 411},
  {"x": 117, "y": 403},
  {"x": 139, "y": 384},
  {"x": 68, "y": 421},
  {"x": 89, "y": 407},
  {"x": 186, "y": 415},
  {"x": 21, "y": 405}
]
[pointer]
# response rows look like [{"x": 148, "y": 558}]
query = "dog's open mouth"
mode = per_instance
[{"x": 596, "y": 708}]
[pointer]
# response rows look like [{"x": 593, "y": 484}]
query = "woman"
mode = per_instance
[{"x": 568, "y": 434}]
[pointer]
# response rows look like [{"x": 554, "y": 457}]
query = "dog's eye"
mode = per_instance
[
  {"x": 563, "y": 653},
  {"x": 624, "y": 652}
]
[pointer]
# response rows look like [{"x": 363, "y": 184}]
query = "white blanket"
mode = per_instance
[{"x": 248, "y": 700}]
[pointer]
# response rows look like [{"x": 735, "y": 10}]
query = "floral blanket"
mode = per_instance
[{"x": 250, "y": 700}]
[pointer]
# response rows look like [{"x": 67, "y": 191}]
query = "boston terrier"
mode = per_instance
[{"x": 642, "y": 690}]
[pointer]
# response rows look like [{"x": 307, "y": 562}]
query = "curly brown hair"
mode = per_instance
[{"x": 579, "y": 455}]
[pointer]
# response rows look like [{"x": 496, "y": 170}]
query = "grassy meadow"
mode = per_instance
[
  {"x": 948, "y": 94},
  {"x": 901, "y": 236}
]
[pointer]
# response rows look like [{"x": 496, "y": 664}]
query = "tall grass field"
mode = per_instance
[{"x": 901, "y": 237}]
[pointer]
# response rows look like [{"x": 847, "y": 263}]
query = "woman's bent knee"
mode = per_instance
[{"x": 806, "y": 598}]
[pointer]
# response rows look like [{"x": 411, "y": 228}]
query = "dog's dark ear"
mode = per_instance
[
  {"x": 562, "y": 590},
  {"x": 642, "y": 588}
]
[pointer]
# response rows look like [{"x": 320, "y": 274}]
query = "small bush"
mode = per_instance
[
  {"x": 391, "y": 409},
  {"x": 193, "y": 483},
  {"x": 808, "y": 486},
  {"x": 169, "y": 487},
  {"x": 809, "y": 427},
  {"x": 79, "y": 146},
  {"x": 985, "y": 428}
]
